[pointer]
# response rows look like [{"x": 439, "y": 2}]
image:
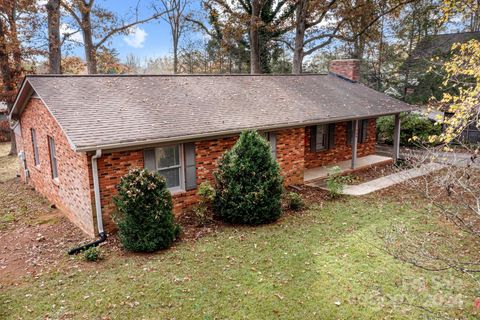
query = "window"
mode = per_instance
[
  {"x": 271, "y": 137},
  {"x": 53, "y": 157},
  {"x": 322, "y": 137},
  {"x": 362, "y": 131},
  {"x": 36, "y": 158},
  {"x": 169, "y": 160}
]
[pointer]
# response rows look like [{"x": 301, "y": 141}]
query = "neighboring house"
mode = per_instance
[
  {"x": 4, "y": 124},
  {"x": 78, "y": 135},
  {"x": 421, "y": 85}
]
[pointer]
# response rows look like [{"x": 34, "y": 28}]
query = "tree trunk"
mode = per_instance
[
  {"x": 90, "y": 49},
  {"x": 300, "y": 26},
  {"x": 175, "y": 55},
  {"x": 254, "y": 38},
  {"x": 54, "y": 45}
]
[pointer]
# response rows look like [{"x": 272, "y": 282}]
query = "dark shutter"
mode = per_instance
[
  {"x": 364, "y": 130},
  {"x": 190, "y": 166},
  {"x": 53, "y": 157},
  {"x": 331, "y": 135},
  {"x": 349, "y": 132},
  {"x": 149, "y": 159},
  {"x": 313, "y": 138}
]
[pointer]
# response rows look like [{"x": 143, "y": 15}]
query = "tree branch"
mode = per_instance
[{"x": 127, "y": 26}]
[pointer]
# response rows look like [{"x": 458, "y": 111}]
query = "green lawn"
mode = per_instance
[{"x": 322, "y": 264}]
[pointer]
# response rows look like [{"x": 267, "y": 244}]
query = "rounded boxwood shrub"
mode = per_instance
[
  {"x": 248, "y": 183},
  {"x": 144, "y": 212}
]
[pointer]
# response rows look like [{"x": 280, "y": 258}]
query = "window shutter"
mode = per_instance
[
  {"x": 364, "y": 130},
  {"x": 272, "y": 137},
  {"x": 313, "y": 138},
  {"x": 349, "y": 132},
  {"x": 331, "y": 135},
  {"x": 53, "y": 157},
  {"x": 190, "y": 166},
  {"x": 149, "y": 159}
]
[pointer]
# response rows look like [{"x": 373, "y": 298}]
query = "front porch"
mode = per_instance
[
  {"x": 356, "y": 162},
  {"x": 314, "y": 174}
]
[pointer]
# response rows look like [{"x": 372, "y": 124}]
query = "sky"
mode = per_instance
[{"x": 151, "y": 39}]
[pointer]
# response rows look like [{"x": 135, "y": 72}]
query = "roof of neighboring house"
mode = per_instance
[
  {"x": 118, "y": 111},
  {"x": 438, "y": 45}
]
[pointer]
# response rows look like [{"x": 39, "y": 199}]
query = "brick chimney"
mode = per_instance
[{"x": 348, "y": 69}]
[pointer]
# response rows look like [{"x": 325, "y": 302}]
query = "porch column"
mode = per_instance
[
  {"x": 396, "y": 139},
  {"x": 354, "y": 143}
]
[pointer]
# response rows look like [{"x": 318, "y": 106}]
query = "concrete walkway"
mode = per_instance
[{"x": 390, "y": 180}]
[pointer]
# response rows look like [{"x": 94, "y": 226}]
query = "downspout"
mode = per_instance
[{"x": 98, "y": 208}]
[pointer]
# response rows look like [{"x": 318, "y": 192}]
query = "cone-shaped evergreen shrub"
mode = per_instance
[
  {"x": 248, "y": 182},
  {"x": 144, "y": 212}
]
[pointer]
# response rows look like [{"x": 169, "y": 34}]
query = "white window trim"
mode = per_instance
[{"x": 181, "y": 167}]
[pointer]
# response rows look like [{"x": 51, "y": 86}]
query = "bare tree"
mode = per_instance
[
  {"x": 335, "y": 16},
  {"x": 54, "y": 41},
  {"x": 452, "y": 194},
  {"x": 110, "y": 25},
  {"x": 176, "y": 20}
]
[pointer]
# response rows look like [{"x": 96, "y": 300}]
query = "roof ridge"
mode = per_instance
[{"x": 170, "y": 75}]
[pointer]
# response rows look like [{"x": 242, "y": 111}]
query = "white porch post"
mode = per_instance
[
  {"x": 396, "y": 139},
  {"x": 354, "y": 143}
]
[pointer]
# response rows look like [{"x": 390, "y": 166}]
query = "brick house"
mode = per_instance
[{"x": 78, "y": 135}]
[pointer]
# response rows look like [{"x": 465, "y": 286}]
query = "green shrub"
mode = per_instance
[
  {"x": 295, "y": 201},
  {"x": 203, "y": 211},
  {"x": 92, "y": 254},
  {"x": 248, "y": 182},
  {"x": 411, "y": 125},
  {"x": 144, "y": 212},
  {"x": 336, "y": 182}
]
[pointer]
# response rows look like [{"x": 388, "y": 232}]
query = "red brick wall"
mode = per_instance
[
  {"x": 207, "y": 152},
  {"x": 71, "y": 193},
  {"x": 342, "y": 151},
  {"x": 291, "y": 154},
  {"x": 112, "y": 166}
]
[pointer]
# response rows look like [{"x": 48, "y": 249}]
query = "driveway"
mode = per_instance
[{"x": 460, "y": 159}]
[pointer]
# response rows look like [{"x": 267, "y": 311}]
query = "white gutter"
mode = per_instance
[
  {"x": 98, "y": 208},
  {"x": 96, "y": 190}
]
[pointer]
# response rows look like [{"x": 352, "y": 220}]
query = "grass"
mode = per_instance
[
  {"x": 8, "y": 164},
  {"x": 320, "y": 264}
]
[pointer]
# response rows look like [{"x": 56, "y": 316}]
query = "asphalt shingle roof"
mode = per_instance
[
  {"x": 114, "y": 111},
  {"x": 438, "y": 45}
]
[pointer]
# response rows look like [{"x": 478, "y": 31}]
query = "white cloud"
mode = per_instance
[
  {"x": 136, "y": 37},
  {"x": 76, "y": 36}
]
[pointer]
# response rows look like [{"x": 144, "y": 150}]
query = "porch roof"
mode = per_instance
[{"x": 115, "y": 111}]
